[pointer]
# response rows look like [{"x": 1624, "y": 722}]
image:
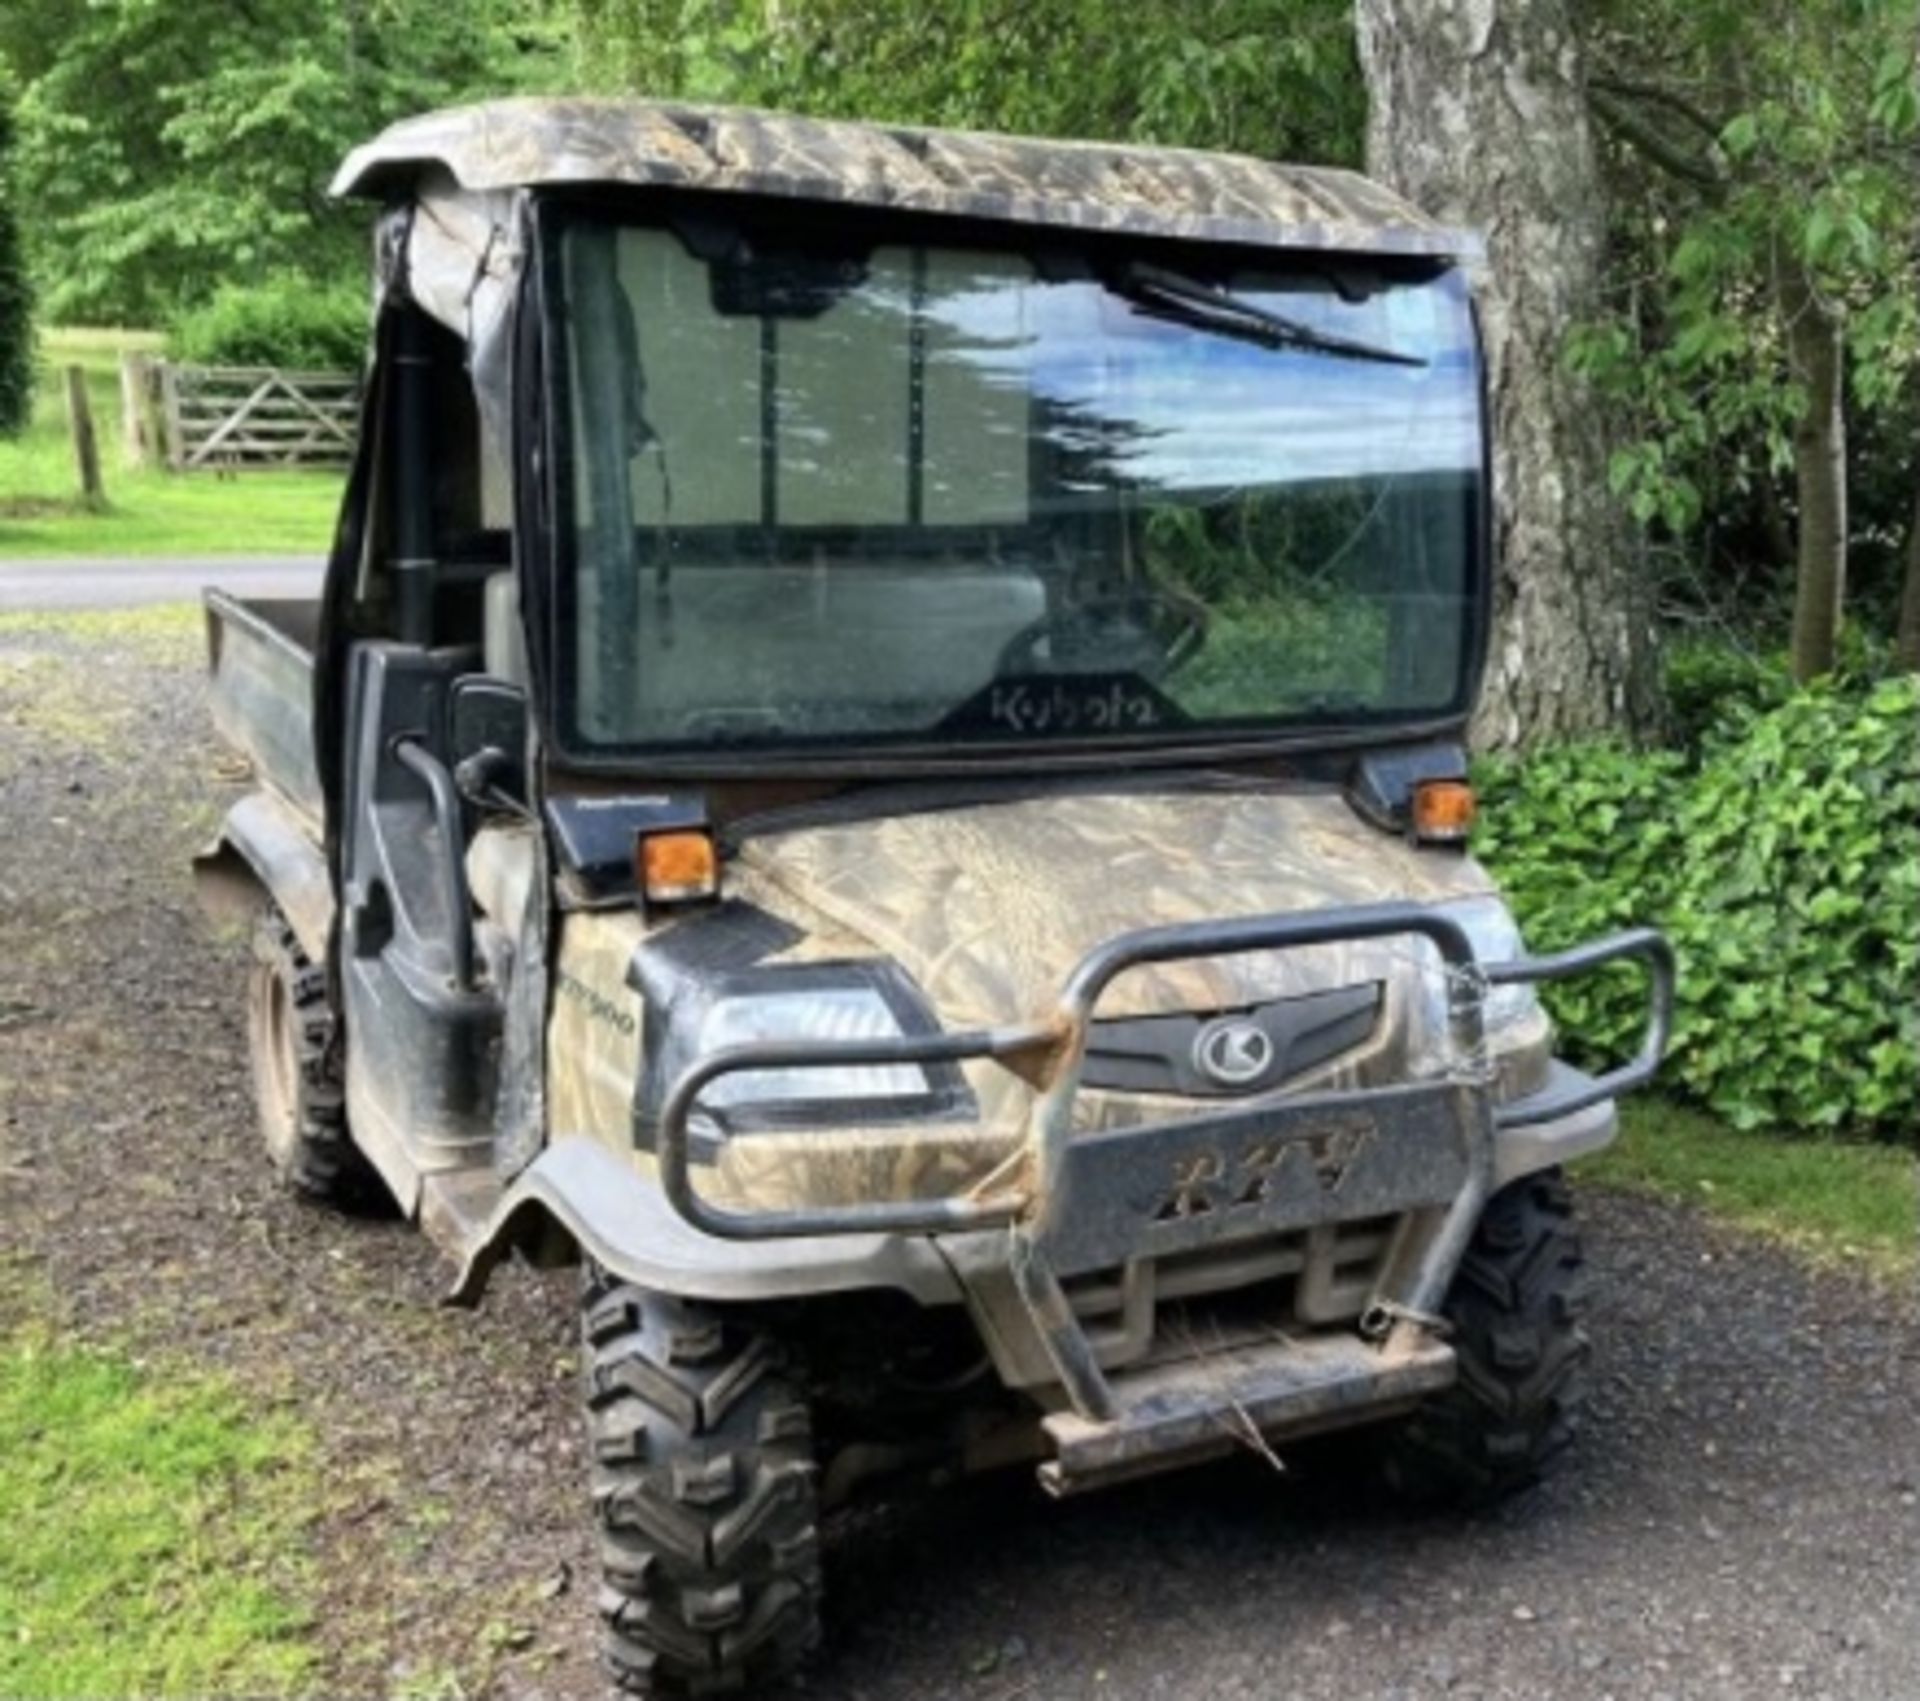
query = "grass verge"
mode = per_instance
[
  {"x": 152, "y": 1531},
  {"x": 149, "y": 513},
  {"x": 1833, "y": 1201}
]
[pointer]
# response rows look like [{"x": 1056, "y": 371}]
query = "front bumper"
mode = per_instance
[{"x": 1426, "y": 1153}]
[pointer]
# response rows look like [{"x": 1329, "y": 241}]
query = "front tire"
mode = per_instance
[
  {"x": 703, "y": 1487},
  {"x": 1515, "y": 1309}
]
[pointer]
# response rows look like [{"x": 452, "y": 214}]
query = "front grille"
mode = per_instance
[{"x": 1202, "y": 1054}]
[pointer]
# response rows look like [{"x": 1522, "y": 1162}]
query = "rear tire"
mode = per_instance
[
  {"x": 1515, "y": 1309},
  {"x": 703, "y": 1488},
  {"x": 298, "y": 1079}
]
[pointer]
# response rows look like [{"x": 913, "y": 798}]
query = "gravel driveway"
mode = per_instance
[{"x": 1742, "y": 1519}]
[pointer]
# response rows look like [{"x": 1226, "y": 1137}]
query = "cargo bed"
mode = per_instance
[{"x": 260, "y": 662}]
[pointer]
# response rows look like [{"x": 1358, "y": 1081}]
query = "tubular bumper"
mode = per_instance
[{"x": 1423, "y": 1149}]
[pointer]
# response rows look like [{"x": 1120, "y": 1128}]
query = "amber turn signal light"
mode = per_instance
[
  {"x": 1442, "y": 812},
  {"x": 678, "y": 867}
]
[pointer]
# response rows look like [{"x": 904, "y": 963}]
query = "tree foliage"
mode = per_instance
[
  {"x": 1271, "y": 77},
  {"x": 166, "y": 145},
  {"x": 16, "y": 298},
  {"x": 1769, "y": 158}
]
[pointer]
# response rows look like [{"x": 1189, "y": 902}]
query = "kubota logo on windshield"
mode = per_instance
[{"x": 1233, "y": 1051}]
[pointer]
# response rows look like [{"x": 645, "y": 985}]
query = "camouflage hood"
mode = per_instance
[{"x": 989, "y": 907}]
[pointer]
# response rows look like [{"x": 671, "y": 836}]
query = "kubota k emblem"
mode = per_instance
[{"x": 1233, "y": 1051}]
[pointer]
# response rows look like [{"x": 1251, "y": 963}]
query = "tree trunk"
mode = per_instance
[
  {"x": 1820, "y": 472},
  {"x": 1478, "y": 115},
  {"x": 1906, "y": 645}
]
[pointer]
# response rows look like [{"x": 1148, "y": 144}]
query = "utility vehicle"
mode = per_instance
[{"x": 880, "y": 766}]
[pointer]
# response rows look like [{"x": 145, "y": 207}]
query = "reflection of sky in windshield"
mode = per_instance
[{"x": 1177, "y": 406}]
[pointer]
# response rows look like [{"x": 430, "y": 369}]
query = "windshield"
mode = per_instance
[{"x": 909, "y": 495}]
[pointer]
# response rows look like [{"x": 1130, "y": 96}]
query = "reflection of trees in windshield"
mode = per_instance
[
  {"x": 1088, "y": 452},
  {"x": 1326, "y": 599},
  {"x": 1246, "y": 542}
]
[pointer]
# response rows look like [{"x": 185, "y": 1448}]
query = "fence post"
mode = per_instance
[
  {"x": 153, "y": 411},
  {"x": 136, "y": 410},
  {"x": 86, "y": 448},
  {"x": 176, "y": 447}
]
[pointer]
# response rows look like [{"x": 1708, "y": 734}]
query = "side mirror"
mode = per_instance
[{"x": 487, "y": 733}]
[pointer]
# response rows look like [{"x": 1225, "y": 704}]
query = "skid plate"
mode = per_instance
[
  {"x": 1260, "y": 1169},
  {"x": 1174, "y": 1413}
]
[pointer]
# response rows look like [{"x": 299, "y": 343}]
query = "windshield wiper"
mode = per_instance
[{"x": 1188, "y": 301}]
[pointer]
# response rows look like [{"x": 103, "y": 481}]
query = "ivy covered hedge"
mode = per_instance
[{"x": 1783, "y": 858}]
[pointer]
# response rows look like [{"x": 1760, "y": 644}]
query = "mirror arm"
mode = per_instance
[{"x": 474, "y": 775}]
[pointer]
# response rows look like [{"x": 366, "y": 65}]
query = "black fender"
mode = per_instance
[
  {"x": 264, "y": 851},
  {"x": 579, "y": 1191}
]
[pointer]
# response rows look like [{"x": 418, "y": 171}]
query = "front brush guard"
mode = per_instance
[{"x": 1075, "y": 1204}]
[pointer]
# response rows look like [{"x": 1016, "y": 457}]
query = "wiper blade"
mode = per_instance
[{"x": 1188, "y": 301}]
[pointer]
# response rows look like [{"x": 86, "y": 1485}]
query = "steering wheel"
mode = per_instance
[{"x": 1148, "y": 632}]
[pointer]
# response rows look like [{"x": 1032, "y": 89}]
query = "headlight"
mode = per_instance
[
  {"x": 826, "y": 1013},
  {"x": 827, "y": 1003}
]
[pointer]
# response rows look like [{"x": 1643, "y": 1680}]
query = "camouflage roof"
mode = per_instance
[{"x": 1087, "y": 185}]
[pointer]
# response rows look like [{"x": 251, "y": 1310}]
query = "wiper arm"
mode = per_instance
[{"x": 1188, "y": 301}]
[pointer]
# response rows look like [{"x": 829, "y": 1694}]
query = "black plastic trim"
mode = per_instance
[
  {"x": 595, "y": 836},
  {"x": 1148, "y": 1055},
  {"x": 1380, "y": 788}
]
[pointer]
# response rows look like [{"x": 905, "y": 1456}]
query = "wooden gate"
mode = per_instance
[{"x": 257, "y": 416}]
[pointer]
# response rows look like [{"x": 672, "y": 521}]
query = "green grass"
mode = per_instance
[
  {"x": 1832, "y": 1200},
  {"x": 149, "y": 1531},
  {"x": 148, "y": 512}
]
